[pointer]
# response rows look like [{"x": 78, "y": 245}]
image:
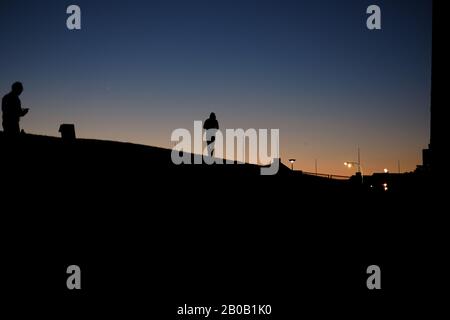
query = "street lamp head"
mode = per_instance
[
  {"x": 348, "y": 164},
  {"x": 292, "y": 163}
]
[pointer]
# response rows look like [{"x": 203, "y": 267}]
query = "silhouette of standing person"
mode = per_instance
[
  {"x": 12, "y": 110},
  {"x": 211, "y": 125}
]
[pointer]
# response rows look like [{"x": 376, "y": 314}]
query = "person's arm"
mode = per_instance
[
  {"x": 3, "y": 105},
  {"x": 24, "y": 112},
  {"x": 21, "y": 111}
]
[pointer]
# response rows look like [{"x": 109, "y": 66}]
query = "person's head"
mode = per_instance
[
  {"x": 212, "y": 116},
  {"x": 17, "y": 88}
]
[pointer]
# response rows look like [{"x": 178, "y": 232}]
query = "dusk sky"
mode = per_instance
[{"x": 137, "y": 70}]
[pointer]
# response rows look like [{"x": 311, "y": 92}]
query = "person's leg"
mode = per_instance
[
  {"x": 208, "y": 147},
  {"x": 213, "y": 139},
  {"x": 11, "y": 128}
]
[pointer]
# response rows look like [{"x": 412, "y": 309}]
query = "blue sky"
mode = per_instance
[{"x": 139, "y": 69}]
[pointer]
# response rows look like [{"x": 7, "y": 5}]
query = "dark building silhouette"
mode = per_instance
[{"x": 433, "y": 154}]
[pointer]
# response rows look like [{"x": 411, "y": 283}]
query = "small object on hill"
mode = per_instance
[{"x": 67, "y": 132}]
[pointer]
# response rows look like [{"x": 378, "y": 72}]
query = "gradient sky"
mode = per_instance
[{"x": 139, "y": 69}]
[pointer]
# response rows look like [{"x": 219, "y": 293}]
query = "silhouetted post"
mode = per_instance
[
  {"x": 67, "y": 132},
  {"x": 349, "y": 164},
  {"x": 359, "y": 161},
  {"x": 292, "y": 163}
]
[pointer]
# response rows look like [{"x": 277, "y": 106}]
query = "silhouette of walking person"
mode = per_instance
[
  {"x": 12, "y": 110},
  {"x": 211, "y": 125}
]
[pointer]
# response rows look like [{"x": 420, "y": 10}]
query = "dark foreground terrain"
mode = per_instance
[{"x": 150, "y": 236}]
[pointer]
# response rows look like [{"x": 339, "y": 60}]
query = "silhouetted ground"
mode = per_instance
[
  {"x": 149, "y": 235},
  {"x": 103, "y": 162},
  {"x": 97, "y": 160}
]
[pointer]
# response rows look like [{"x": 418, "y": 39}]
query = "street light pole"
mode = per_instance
[
  {"x": 292, "y": 163},
  {"x": 349, "y": 164},
  {"x": 359, "y": 161}
]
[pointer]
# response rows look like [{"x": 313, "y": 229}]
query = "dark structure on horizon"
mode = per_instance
[{"x": 433, "y": 153}]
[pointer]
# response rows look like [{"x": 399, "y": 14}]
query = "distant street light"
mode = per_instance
[
  {"x": 386, "y": 170},
  {"x": 350, "y": 164},
  {"x": 292, "y": 163}
]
